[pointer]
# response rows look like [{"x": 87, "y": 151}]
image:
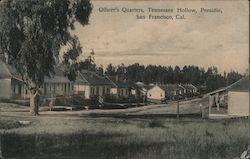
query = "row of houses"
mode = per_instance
[
  {"x": 170, "y": 91},
  {"x": 88, "y": 84}
]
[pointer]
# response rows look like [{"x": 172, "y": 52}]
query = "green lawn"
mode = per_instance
[{"x": 161, "y": 138}]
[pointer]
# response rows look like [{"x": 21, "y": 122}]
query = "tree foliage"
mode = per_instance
[
  {"x": 32, "y": 33},
  {"x": 210, "y": 78}
]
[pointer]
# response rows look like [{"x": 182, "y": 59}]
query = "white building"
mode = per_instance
[
  {"x": 238, "y": 98},
  {"x": 156, "y": 93}
]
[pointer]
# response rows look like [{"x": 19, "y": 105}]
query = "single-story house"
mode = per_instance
[
  {"x": 190, "y": 89},
  {"x": 13, "y": 87},
  {"x": 155, "y": 93},
  {"x": 120, "y": 88},
  {"x": 238, "y": 98},
  {"x": 57, "y": 85},
  {"x": 172, "y": 91},
  {"x": 142, "y": 88},
  {"x": 89, "y": 84},
  {"x": 11, "y": 84},
  {"x": 232, "y": 100}
]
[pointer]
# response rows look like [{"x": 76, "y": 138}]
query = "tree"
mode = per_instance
[
  {"x": 121, "y": 71},
  {"x": 110, "y": 70},
  {"x": 100, "y": 70},
  {"x": 33, "y": 32},
  {"x": 232, "y": 77}
]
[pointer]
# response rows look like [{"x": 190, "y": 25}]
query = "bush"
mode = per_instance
[
  {"x": 156, "y": 124},
  {"x": 114, "y": 99},
  {"x": 63, "y": 100}
]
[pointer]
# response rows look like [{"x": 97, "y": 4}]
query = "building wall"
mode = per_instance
[
  {"x": 57, "y": 89},
  {"x": 5, "y": 88},
  {"x": 102, "y": 90},
  {"x": 120, "y": 92},
  {"x": 12, "y": 89},
  {"x": 123, "y": 92},
  {"x": 88, "y": 91},
  {"x": 156, "y": 93},
  {"x": 114, "y": 91},
  {"x": 82, "y": 89},
  {"x": 238, "y": 103}
]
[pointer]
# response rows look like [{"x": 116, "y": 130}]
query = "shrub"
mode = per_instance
[{"x": 156, "y": 124}]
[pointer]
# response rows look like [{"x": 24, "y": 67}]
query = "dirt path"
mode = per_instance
[{"x": 191, "y": 106}]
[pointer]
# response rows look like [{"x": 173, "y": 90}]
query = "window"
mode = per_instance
[
  {"x": 97, "y": 90},
  {"x": 92, "y": 90},
  {"x": 69, "y": 87},
  {"x": 103, "y": 90}
]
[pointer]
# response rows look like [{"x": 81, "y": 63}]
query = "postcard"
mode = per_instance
[{"x": 124, "y": 79}]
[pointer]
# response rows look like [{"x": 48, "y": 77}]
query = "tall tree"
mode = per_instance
[
  {"x": 110, "y": 70},
  {"x": 33, "y": 32}
]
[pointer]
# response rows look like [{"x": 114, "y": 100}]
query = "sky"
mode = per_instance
[{"x": 202, "y": 39}]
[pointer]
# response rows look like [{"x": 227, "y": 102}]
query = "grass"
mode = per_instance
[
  {"x": 9, "y": 124},
  {"x": 136, "y": 139}
]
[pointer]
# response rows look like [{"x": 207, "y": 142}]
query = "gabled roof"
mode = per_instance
[
  {"x": 4, "y": 70},
  {"x": 170, "y": 87},
  {"x": 188, "y": 86},
  {"x": 58, "y": 77},
  {"x": 148, "y": 87},
  {"x": 118, "y": 83},
  {"x": 241, "y": 85},
  {"x": 8, "y": 71},
  {"x": 91, "y": 78}
]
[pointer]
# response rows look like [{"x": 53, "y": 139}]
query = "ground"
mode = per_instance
[{"x": 149, "y": 132}]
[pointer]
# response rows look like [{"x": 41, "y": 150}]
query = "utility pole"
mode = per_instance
[{"x": 178, "y": 106}]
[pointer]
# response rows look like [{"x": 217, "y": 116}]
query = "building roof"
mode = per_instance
[
  {"x": 4, "y": 71},
  {"x": 8, "y": 71},
  {"x": 118, "y": 83},
  {"x": 148, "y": 87},
  {"x": 188, "y": 86},
  {"x": 58, "y": 77},
  {"x": 91, "y": 78},
  {"x": 170, "y": 87},
  {"x": 241, "y": 85}
]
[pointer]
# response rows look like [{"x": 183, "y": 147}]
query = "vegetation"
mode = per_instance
[
  {"x": 207, "y": 80},
  {"x": 32, "y": 34},
  {"x": 136, "y": 139}
]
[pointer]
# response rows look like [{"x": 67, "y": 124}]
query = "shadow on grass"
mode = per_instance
[
  {"x": 88, "y": 146},
  {"x": 147, "y": 116}
]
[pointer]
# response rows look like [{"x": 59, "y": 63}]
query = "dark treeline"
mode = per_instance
[{"x": 206, "y": 80}]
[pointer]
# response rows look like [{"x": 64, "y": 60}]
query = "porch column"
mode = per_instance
[{"x": 210, "y": 103}]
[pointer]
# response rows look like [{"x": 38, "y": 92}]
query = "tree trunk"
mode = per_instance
[{"x": 33, "y": 104}]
